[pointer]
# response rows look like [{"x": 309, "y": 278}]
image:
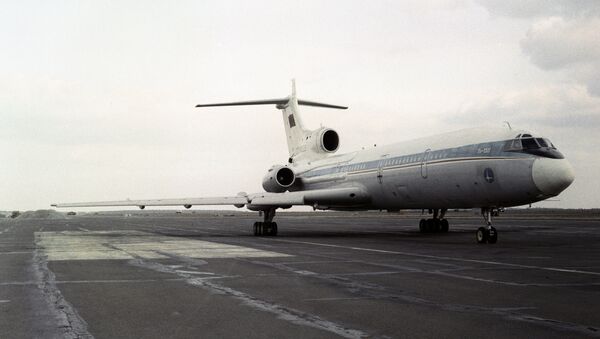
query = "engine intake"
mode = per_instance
[
  {"x": 325, "y": 140},
  {"x": 278, "y": 179},
  {"x": 330, "y": 140}
]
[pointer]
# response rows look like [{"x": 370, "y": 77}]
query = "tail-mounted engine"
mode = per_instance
[
  {"x": 278, "y": 179},
  {"x": 325, "y": 140}
]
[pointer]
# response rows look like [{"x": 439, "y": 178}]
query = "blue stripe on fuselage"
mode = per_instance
[{"x": 482, "y": 150}]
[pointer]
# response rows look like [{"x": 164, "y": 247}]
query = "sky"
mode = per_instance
[{"x": 97, "y": 97}]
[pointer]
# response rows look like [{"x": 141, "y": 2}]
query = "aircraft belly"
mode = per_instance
[
  {"x": 457, "y": 184},
  {"x": 464, "y": 184}
]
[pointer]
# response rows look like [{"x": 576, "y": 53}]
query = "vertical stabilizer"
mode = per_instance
[
  {"x": 295, "y": 132},
  {"x": 296, "y": 135}
]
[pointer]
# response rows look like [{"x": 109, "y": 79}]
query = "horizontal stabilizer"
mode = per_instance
[
  {"x": 282, "y": 101},
  {"x": 319, "y": 104},
  {"x": 248, "y": 103}
]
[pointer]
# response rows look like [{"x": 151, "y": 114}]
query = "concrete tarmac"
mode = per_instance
[{"x": 324, "y": 276}]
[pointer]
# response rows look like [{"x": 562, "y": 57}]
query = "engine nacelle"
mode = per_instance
[
  {"x": 278, "y": 179},
  {"x": 325, "y": 140}
]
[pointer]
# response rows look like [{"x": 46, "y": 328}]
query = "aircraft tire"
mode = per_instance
[
  {"x": 273, "y": 229},
  {"x": 493, "y": 236},
  {"x": 482, "y": 235},
  {"x": 429, "y": 226},
  {"x": 437, "y": 225},
  {"x": 445, "y": 225},
  {"x": 261, "y": 228}
]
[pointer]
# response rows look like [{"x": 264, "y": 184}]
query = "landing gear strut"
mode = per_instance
[
  {"x": 487, "y": 234},
  {"x": 435, "y": 224},
  {"x": 267, "y": 227}
]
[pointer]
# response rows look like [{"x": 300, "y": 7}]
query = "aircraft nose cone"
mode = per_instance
[{"x": 552, "y": 176}]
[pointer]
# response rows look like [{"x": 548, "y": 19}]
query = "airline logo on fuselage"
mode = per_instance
[{"x": 488, "y": 175}]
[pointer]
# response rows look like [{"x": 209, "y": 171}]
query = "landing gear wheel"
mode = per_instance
[
  {"x": 482, "y": 235},
  {"x": 430, "y": 225},
  {"x": 422, "y": 226},
  {"x": 493, "y": 235},
  {"x": 268, "y": 228},
  {"x": 256, "y": 228},
  {"x": 445, "y": 225},
  {"x": 273, "y": 230}
]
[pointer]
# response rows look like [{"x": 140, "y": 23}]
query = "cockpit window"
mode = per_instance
[
  {"x": 541, "y": 142},
  {"x": 529, "y": 143},
  {"x": 525, "y": 143},
  {"x": 551, "y": 145}
]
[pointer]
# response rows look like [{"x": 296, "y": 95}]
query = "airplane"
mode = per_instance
[{"x": 488, "y": 168}]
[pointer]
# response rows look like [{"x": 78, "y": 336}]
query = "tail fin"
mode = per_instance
[{"x": 294, "y": 128}]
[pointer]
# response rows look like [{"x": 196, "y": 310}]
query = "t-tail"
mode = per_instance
[{"x": 303, "y": 144}]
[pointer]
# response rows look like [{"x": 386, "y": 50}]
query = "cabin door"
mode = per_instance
[
  {"x": 380, "y": 168},
  {"x": 424, "y": 163}
]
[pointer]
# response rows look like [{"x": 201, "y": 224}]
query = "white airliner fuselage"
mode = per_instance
[
  {"x": 487, "y": 167},
  {"x": 463, "y": 169}
]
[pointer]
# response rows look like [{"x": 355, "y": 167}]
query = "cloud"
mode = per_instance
[
  {"x": 553, "y": 106},
  {"x": 555, "y": 43},
  {"x": 525, "y": 9},
  {"x": 563, "y": 36},
  {"x": 568, "y": 45}
]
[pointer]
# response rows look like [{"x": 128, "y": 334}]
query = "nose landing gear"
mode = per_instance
[{"x": 487, "y": 234}]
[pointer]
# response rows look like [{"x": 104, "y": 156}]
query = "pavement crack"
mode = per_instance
[
  {"x": 73, "y": 326},
  {"x": 374, "y": 291},
  {"x": 292, "y": 315}
]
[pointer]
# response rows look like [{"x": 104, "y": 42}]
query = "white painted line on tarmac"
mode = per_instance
[
  {"x": 4, "y": 301},
  {"x": 338, "y": 299},
  {"x": 124, "y": 245},
  {"x": 16, "y": 252},
  {"x": 117, "y": 281},
  {"x": 193, "y": 272},
  {"x": 554, "y": 269}
]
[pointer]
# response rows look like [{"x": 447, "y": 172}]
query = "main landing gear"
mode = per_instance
[
  {"x": 436, "y": 224},
  {"x": 487, "y": 234},
  {"x": 267, "y": 227}
]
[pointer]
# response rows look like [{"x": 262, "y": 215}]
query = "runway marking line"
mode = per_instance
[
  {"x": 554, "y": 269},
  {"x": 124, "y": 245}
]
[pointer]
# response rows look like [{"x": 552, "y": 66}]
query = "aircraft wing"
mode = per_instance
[
  {"x": 323, "y": 197},
  {"x": 239, "y": 200}
]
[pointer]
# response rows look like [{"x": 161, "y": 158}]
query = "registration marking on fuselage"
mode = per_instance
[{"x": 124, "y": 245}]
